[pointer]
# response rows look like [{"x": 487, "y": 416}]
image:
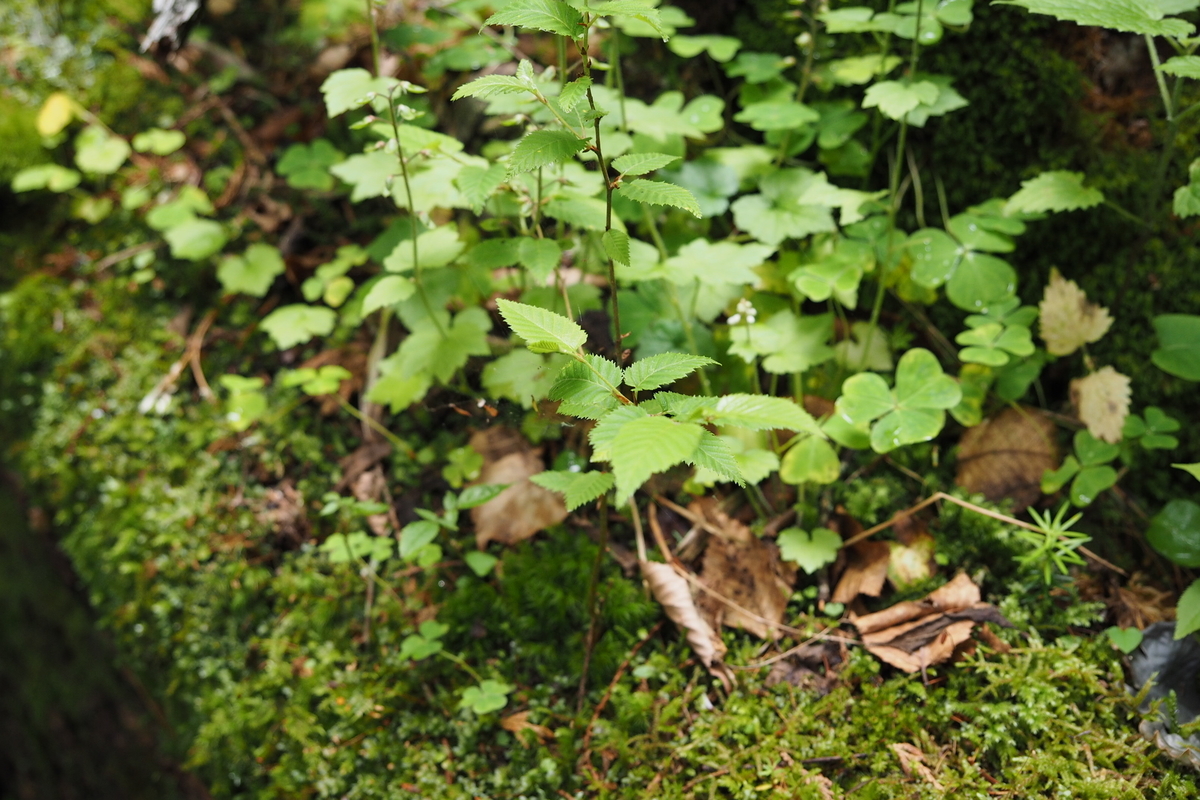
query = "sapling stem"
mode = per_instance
[
  {"x": 374, "y": 38},
  {"x": 593, "y": 612}
]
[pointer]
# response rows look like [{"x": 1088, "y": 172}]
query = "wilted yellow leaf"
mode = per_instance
[
  {"x": 1102, "y": 399},
  {"x": 56, "y": 114},
  {"x": 1068, "y": 320}
]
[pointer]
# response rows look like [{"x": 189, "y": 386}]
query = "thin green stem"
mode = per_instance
[
  {"x": 1129, "y": 215},
  {"x": 374, "y": 37},
  {"x": 1160, "y": 78},
  {"x": 805, "y": 80},
  {"x": 412, "y": 217},
  {"x": 614, "y": 61},
  {"x": 457, "y": 659},
  {"x": 397, "y": 442}
]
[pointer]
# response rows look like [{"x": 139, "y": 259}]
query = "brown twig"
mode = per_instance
[{"x": 121, "y": 255}]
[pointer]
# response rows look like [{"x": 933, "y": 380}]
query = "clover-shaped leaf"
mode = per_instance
[
  {"x": 912, "y": 412},
  {"x": 316, "y": 382},
  {"x": 488, "y": 696},
  {"x": 809, "y": 551},
  {"x": 974, "y": 280},
  {"x": 992, "y": 343},
  {"x": 306, "y": 166}
]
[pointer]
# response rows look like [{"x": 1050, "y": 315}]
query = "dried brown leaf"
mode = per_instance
[
  {"x": 1068, "y": 320},
  {"x": 371, "y": 486},
  {"x": 515, "y": 723},
  {"x": 912, "y": 762},
  {"x": 751, "y": 574},
  {"x": 1102, "y": 400},
  {"x": 866, "y": 570},
  {"x": 1004, "y": 457},
  {"x": 524, "y": 508},
  {"x": 283, "y": 512},
  {"x": 674, "y": 594}
]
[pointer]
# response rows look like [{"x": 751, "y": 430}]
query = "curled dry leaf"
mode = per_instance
[
  {"x": 811, "y": 667},
  {"x": 524, "y": 508},
  {"x": 1102, "y": 400},
  {"x": 915, "y": 635},
  {"x": 1006, "y": 455},
  {"x": 515, "y": 723},
  {"x": 866, "y": 569},
  {"x": 745, "y": 569},
  {"x": 1068, "y": 320},
  {"x": 673, "y": 593}
]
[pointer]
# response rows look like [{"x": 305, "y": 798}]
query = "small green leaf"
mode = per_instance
[
  {"x": 659, "y": 193},
  {"x": 609, "y": 424},
  {"x": 662, "y": 369},
  {"x": 1178, "y": 350},
  {"x": 1093, "y": 452},
  {"x": 575, "y": 91},
  {"x": 1175, "y": 532},
  {"x": 98, "y": 152},
  {"x": 552, "y": 16},
  {"x": 306, "y": 166},
  {"x": 865, "y": 397},
  {"x": 388, "y": 291},
  {"x": 415, "y": 535},
  {"x": 1058, "y": 190},
  {"x": 535, "y": 324},
  {"x": 490, "y": 85},
  {"x": 1187, "y": 612},
  {"x": 196, "y": 239},
  {"x": 585, "y": 388},
  {"x": 714, "y": 454},
  {"x": 811, "y": 460},
  {"x": 777, "y": 115},
  {"x": 719, "y": 48},
  {"x": 896, "y": 98},
  {"x": 477, "y": 184},
  {"x": 616, "y": 245},
  {"x": 650, "y": 445},
  {"x": 542, "y": 148},
  {"x": 435, "y": 249},
  {"x": 642, "y": 163},
  {"x": 1131, "y": 16},
  {"x": 251, "y": 273},
  {"x": 158, "y": 141},
  {"x": 577, "y": 488},
  {"x": 481, "y": 563},
  {"x": 1090, "y": 482},
  {"x": 347, "y": 89},
  {"x": 479, "y": 494},
  {"x": 296, "y": 324},
  {"x": 46, "y": 176},
  {"x": 809, "y": 551},
  {"x": 1126, "y": 639},
  {"x": 1191, "y": 469},
  {"x": 1183, "y": 66},
  {"x": 488, "y": 696},
  {"x": 1055, "y": 479},
  {"x": 540, "y": 256}
]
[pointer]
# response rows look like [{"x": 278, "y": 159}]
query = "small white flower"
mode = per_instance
[{"x": 745, "y": 311}]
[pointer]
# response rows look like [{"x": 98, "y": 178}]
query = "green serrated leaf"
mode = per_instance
[
  {"x": 552, "y": 16},
  {"x": 477, "y": 184},
  {"x": 1183, "y": 66},
  {"x": 616, "y": 245},
  {"x": 535, "y": 324},
  {"x": 1058, "y": 190},
  {"x": 662, "y": 369},
  {"x": 715, "y": 455},
  {"x": 542, "y": 148},
  {"x": 575, "y": 91},
  {"x": 642, "y": 163},
  {"x": 761, "y": 412},
  {"x": 1131, "y": 16},
  {"x": 608, "y": 426},
  {"x": 489, "y": 86},
  {"x": 577, "y": 488},
  {"x": 659, "y": 193},
  {"x": 585, "y": 388},
  {"x": 649, "y": 445}
]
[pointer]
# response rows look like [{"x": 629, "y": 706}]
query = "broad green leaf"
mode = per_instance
[
  {"x": 251, "y": 273},
  {"x": 369, "y": 174},
  {"x": 552, "y": 16},
  {"x": 396, "y": 390},
  {"x": 1178, "y": 350},
  {"x": 542, "y": 148},
  {"x": 811, "y": 460},
  {"x": 477, "y": 184},
  {"x": 1186, "y": 201},
  {"x": 777, "y": 115},
  {"x": 521, "y": 376},
  {"x": 1090, "y": 482},
  {"x": 974, "y": 232},
  {"x": 858, "y": 70},
  {"x": 1191, "y": 469},
  {"x": 719, "y": 48},
  {"x": 605, "y": 431},
  {"x": 761, "y": 412},
  {"x": 313, "y": 381},
  {"x": 659, "y": 193},
  {"x": 642, "y": 163},
  {"x": 387, "y": 291},
  {"x": 1175, "y": 532},
  {"x": 535, "y": 324},
  {"x": 1130, "y": 16},
  {"x": 649, "y": 445},
  {"x": 577, "y": 488},
  {"x": 1183, "y": 66},
  {"x": 489, "y": 695},
  {"x": 714, "y": 455},
  {"x": 540, "y": 256},
  {"x": 1058, "y": 190},
  {"x": 435, "y": 248},
  {"x": 758, "y": 67},
  {"x": 158, "y": 141},
  {"x": 783, "y": 209},
  {"x": 711, "y": 182},
  {"x": 441, "y": 353},
  {"x": 662, "y": 369},
  {"x": 717, "y": 263},
  {"x": 196, "y": 239},
  {"x": 296, "y": 324},
  {"x": 490, "y": 85},
  {"x": 847, "y": 434},
  {"x": 948, "y": 99},
  {"x": 579, "y": 210},
  {"x": 494, "y": 253},
  {"x": 481, "y": 493},
  {"x": 481, "y": 563},
  {"x": 1126, "y": 639},
  {"x": 98, "y": 152},
  {"x": 348, "y": 89},
  {"x": 585, "y": 388},
  {"x": 866, "y": 348},
  {"x": 975, "y": 381},
  {"x": 1187, "y": 612},
  {"x": 896, "y": 98},
  {"x": 574, "y": 92},
  {"x": 981, "y": 281},
  {"x": 306, "y": 166},
  {"x": 415, "y": 535},
  {"x": 46, "y": 176},
  {"x": 616, "y": 246},
  {"x": 809, "y": 551}
]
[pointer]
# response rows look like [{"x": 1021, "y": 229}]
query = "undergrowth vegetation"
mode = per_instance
[{"x": 532, "y": 398}]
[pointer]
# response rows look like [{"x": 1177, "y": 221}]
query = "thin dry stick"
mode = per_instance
[
  {"x": 639, "y": 536},
  {"x": 908, "y": 512},
  {"x": 691, "y": 517}
]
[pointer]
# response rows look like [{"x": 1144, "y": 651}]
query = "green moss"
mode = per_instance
[{"x": 22, "y": 144}]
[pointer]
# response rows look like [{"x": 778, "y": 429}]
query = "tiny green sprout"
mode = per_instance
[{"x": 1054, "y": 543}]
